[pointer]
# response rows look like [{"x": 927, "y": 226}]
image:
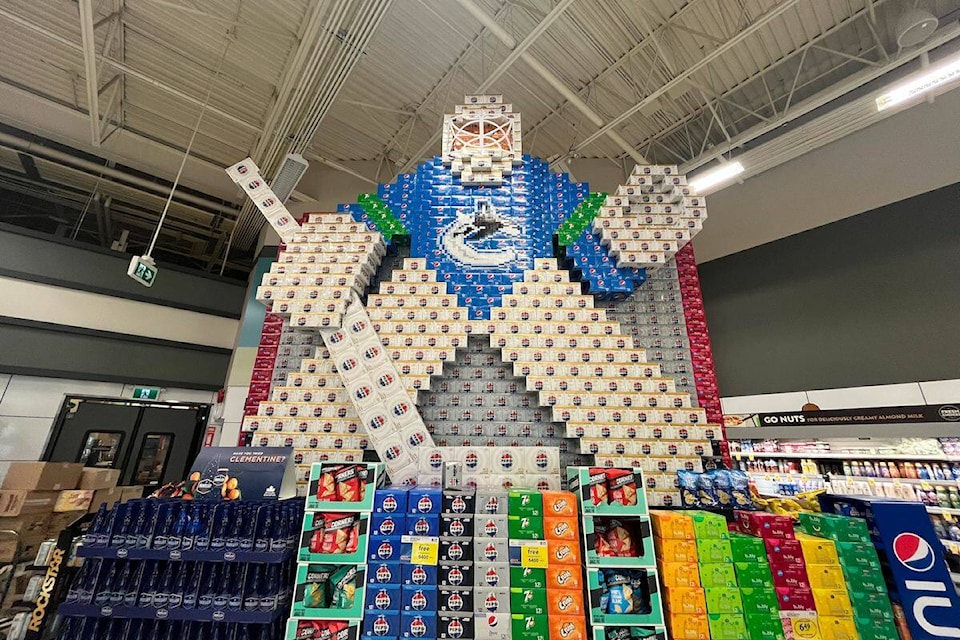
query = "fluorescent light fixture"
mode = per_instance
[
  {"x": 724, "y": 172},
  {"x": 927, "y": 80}
]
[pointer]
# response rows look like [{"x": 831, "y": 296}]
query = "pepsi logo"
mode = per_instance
[
  {"x": 349, "y": 364},
  {"x": 418, "y": 601},
  {"x": 492, "y": 603},
  {"x": 418, "y": 628},
  {"x": 491, "y": 552},
  {"x": 456, "y": 528},
  {"x": 337, "y": 337},
  {"x": 383, "y": 574},
  {"x": 401, "y": 409},
  {"x": 382, "y": 599},
  {"x": 455, "y": 576},
  {"x": 506, "y": 460},
  {"x": 418, "y": 576},
  {"x": 492, "y": 621},
  {"x": 913, "y": 552},
  {"x": 422, "y": 527},
  {"x": 491, "y": 528},
  {"x": 455, "y": 628},
  {"x": 392, "y": 453},
  {"x": 358, "y": 326},
  {"x": 385, "y": 550},
  {"x": 363, "y": 392},
  {"x": 471, "y": 460},
  {"x": 455, "y": 602},
  {"x": 387, "y": 527},
  {"x": 380, "y": 626},
  {"x": 455, "y": 552},
  {"x": 424, "y": 504},
  {"x": 459, "y": 505},
  {"x": 417, "y": 438},
  {"x": 386, "y": 380},
  {"x": 492, "y": 578},
  {"x": 436, "y": 460},
  {"x": 542, "y": 460},
  {"x": 389, "y": 504},
  {"x": 371, "y": 352}
]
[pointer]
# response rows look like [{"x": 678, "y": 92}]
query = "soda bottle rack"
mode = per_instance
[
  {"x": 72, "y": 609},
  {"x": 832, "y": 455},
  {"x": 123, "y": 553}
]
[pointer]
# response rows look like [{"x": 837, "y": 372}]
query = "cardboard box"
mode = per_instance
[
  {"x": 107, "y": 497},
  {"x": 42, "y": 476},
  {"x": 73, "y": 500},
  {"x": 95, "y": 478},
  {"x": 132, "y": 492},
  {"x": 14, "y": 502}
]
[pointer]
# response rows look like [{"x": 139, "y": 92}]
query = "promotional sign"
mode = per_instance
[
  {"x": 918, "y": 576},
  {"x": 236, "y": 473},
  {"x": 873, "y": 415}
]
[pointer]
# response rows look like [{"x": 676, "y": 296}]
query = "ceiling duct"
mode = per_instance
[{"x": 291, "y": 171}]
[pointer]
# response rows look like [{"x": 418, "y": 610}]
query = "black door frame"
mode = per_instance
[{"x": 195, "y": 445}]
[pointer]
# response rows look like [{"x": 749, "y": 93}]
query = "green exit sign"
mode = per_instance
[
  {"x": 146, "y": 393},
  {"x": 143, "y": 270}
]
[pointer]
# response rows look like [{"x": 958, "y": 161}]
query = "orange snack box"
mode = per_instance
[
  {"x": 687, "y": 627},
  {"x": 675, "y": 550},
  {"x": 561, "y": 528},
  {"x": 567, "y": 628},
  {"x": 564, "y": 602},
  {"x": 559, "y": 503},
  {"x": 564, "y": 576},
  {"x": 563, "y": 552},
  {"x": 680, "y": 574}
]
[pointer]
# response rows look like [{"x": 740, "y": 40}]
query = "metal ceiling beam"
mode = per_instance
[
  {"x": 127, "y": 69},
  {"x": 747, "y": 32},
  {"x": 89, "y": 46},
  {"x": 339, "y": 167}
]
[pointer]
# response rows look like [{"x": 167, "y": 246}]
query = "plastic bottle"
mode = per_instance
[
  {"x": 123, "y": 527},
  {"x": 236, "y": 527},
  {"x": 190, "y": 592},
  {"x": 264, "y": 529},
  {"x": 161, "y": 597},
  {"x": 203, "y": 524},
  {"x": 102, "y": 595},
  {"x": 208, "y": 588},
  {"x": 221, "y": 525},
  {"x": 175, "y": 599},
  {"x": 221, "y": 596},
  {"x": 179, "y": 528},
  {"x": 88, "y": 585},
  {"x": 119, "y": 587},
  {"x": 164, "y": 526},
  {"x": 99, "y": 520},
  {"x": 194, "y": 528},
  {"x": 148, "y": 584},
  {"x": 251, "y": 599},
  {"x": 270, "y": 588},
  {"x": 132, "y": 586},
  {"x": 235, "y": 588},
  {"x": 248, "y": 529}
]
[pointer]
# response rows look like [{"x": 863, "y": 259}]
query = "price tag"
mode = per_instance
[
  {"x": 534, "y": 556},
  {"x": 425, "y": 551}
]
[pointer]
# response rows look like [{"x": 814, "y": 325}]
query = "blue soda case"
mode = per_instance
[
  {"x": 384, "y": 597},
  {"x": 384, "y": 549},
  {"x": 418, "y": 598},
  {"x": 418, "y": 574}
]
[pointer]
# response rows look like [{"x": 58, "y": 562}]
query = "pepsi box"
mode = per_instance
[
  {"x": 384, "y": 549},
  {"x": 384, "y": 573},
  {"x": 381, "y": 624},
  {"x": 453, "y": 627},
  {"x": 424, "y": 501},
  {"x": 390, "y": 500},
  {"x": 387, "y": 524},
  {"x": 384, "y": 597},
  {"x": 491, "y": 599},
  {"x": 458, "y": 574},
  {"x": 491, "y": 550},
  {"x": 456, "y": 549},
  {"x": 418, "y": 574},
  {"x": 490, "y": 526},
  {"x": 456, "y": 600},
  {"x": 422, "y": 525},
  {"x": 414, "y": 624},
  {"x": 460, "y": 501},
  {"x": 492, "y": 626},
  {"x": 494, "y": 574},
  {"x": 456, "y": 526},
  {"x": 490, "y": 503},
  {"x": 418, "y": 598}
]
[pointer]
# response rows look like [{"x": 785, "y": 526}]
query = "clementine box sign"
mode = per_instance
[{"x": 241, "y": 473}]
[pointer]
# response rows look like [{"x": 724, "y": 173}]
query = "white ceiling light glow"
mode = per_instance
[
  {"x": 936, "y": 77},
  {"x": 709, "y": 179}
]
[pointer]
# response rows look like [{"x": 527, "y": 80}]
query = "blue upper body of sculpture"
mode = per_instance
[{"x": 480, "y": 239}]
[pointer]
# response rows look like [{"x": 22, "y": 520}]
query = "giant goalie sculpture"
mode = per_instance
[{"x": 499, "y": 245}]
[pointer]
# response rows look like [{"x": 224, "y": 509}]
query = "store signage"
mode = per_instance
[
  {"x": 237, "y": 473},
  {"x": 146, "y": 393},
  {"x": 873, "y": 415},
  {"x": 143, "y": 269}
]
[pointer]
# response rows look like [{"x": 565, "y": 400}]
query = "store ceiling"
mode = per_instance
[{"x": 673, "y": 81}]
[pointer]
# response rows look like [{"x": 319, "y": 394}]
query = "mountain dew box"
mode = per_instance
[
  {"x": 726, "y": 626},
  {"x": 764, "y": 626},
  {"x": 744, "y": 548},
  {"x": 713, "y": 550},
  {"x": 672, "y": 525},
  {"x": 759, "y": 600},
  {"x": 708, "y": 526},
  {"x": 835, "y": 527},
  {"x": 717, "y": 574},
  {"x": 756, "y": 575}
]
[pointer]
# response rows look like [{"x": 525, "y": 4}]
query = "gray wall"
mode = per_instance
[{"x": 872, "y": 299}]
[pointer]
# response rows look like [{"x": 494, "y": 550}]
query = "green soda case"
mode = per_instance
[
  {"x": 529, "y": 627},
  {"x": 717, "y": 574},
  {"x": 754, "y": 574},
  {"x": 713, "y": 550},
  {"x": 871, "y": 605},
  {"x": 725, "y": 626},
  {"x": 864, "y": 580},
  {"x": 858, "y": 554},
  {"x": 529, "y": 601},
  {"x": 525, "y": 527},
  {"x": 759, "y": 600},
  {"x": 834, "y": 527},
  {"x": 764, "y": 626},
  {"x": 708, "y": 526},
  {"x": 525, "y": 503},
  {"x": 872, "y": 630},
  {"x": 528, "y": 578},
  {"x": 744, "y": 548},
  {"x": 724, "y": 600}
]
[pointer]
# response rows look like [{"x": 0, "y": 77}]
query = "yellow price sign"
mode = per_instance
[
  {"x": 534, "y": 556},
  {"x": 425, "y": 551}
]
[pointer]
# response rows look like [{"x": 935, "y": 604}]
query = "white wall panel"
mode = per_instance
[
  {"x": 764, "y": 403},
  {"x": 23, "y": 438},
  {"x": 34, "y": 397},
  {"x": 59, "y": 305},
  {"x": 4, "y": 381},
  {"x": 233, "y": 403},
  {"x": 888, "y": 395},
  {"x": 941, "y": 391},
  {"x": 229, "y": 434}
]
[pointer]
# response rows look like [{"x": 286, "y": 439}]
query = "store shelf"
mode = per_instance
[
  {"x": 954, "y": 547},
  {"x": 115, "y": 553},
  {"x": 817, "y": 432},
  {"x": 944, "y": 511},
  {"x": 199, "y": 615},
  {"x": 832, "y": 455}
]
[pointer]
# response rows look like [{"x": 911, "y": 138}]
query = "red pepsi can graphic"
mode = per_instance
[{"x": 917, "y": 574}]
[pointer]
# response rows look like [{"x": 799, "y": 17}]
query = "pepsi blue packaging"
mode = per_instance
[
  {"x": 455, "y": 575},
  {"x": 384, "y": 549},
  {"x": 387, "y": 524},
  {"x": 422, "y": 525},
  {"x": 459, "y": 601},
  {"x": 414, "y": 624},
  {"x": 418, "y": 598},
  {"x": 384, "y": 573},
  {"x": 912, "y": 557},
  {"x": 418, "y": 574},
  {"x": 381, "y": 624},
  {"x": 384, "y": 597},
  {"x": 390, "y": 500},
  {"x": 455, "y": 627},
  {"x": 423, "y": 501},
  {"x": 456, "y": 526}
]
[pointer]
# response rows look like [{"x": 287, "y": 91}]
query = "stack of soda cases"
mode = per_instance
[
  {"x": 163, "y": 569},
  {"x": 622, "y": 584},
  {"x": 860, "y": 574},
  {"x": 795, "y": 599},
  {"x": 330, "y": 582},
  {"x": 492, "y": 576},
  {"x": 545, "y": 601},
  {"x": 757, "y": 590}
]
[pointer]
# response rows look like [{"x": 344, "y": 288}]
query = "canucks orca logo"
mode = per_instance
[{"x": 480, "y": 238}]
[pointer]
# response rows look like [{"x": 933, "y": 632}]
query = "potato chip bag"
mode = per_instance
[
  {"x": 598, "y": 486},
  {"x": 344, "y": 592},
  {"x": 351, "y": 482},
  {"x": 621, "y": 487},
  {"x": 327, "y": 486},
  {"x": 620, "y": 540}
]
